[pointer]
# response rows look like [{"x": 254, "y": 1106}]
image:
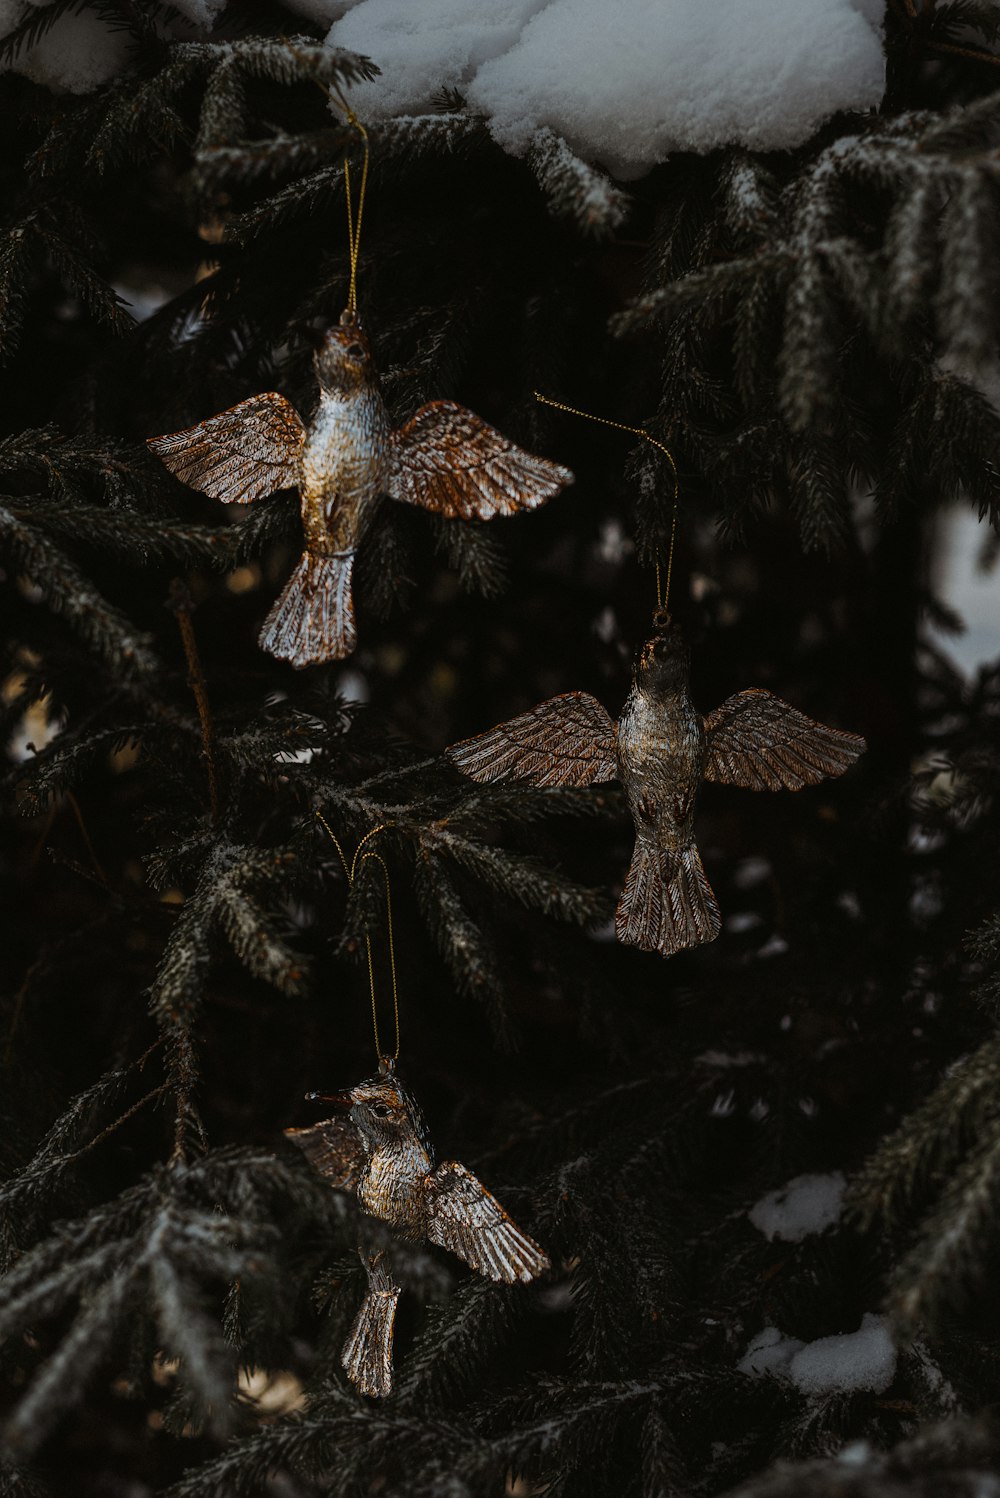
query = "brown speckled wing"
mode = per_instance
[
  {"x": 334, "y": 1149},
  {"x": 756, "y": 740},
  {"x": 447, "y": 460},
  {"x": 465, "y": 1218},
  {"x": 569, "y": 740},
  {"x": 242, "y": 454}
]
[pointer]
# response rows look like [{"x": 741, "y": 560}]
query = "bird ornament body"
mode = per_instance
[
  {"x": 343, "y": 461},
  {"x": 661, "y": 749},
  {"x": 378, "y": 1149}
]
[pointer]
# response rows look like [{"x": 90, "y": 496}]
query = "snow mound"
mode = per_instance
[
  {"x": 769, "y": 1352},
  {"x": 806, "y": 1205},
  {"x": 77, "y": 54},
  {"x": 864, "y": 1360},
  {"x": 625, "y": 83},
  {"x": 861, "y": 1360}
]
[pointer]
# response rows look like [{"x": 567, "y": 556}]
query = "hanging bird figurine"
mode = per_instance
[
  {"x": 661, "y": 749},
  {"x": 444, "y": 459},
  {"x": 378, "y": 1149}
]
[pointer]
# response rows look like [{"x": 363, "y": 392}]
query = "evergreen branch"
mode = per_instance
[
  {"x": 63, "y": 763},
  {"x": 101, "y": 301},
  {"x": 520, "y": 877},
  {"x": 574, "y": 189},
  {"x": 146, "y": 540},
  {"x": 302, "y": 198},
  {"x": 957, "y": 1243},
  {"x": 471, "y": 958},
  {"x": 67, "y": 591},
  {"x": 181, "y": 603},
  {"x": 186, "y": 1331},
  {"x": 474, "y": 553},
  {"x": 298, "y": 59},
  {"x": 64, "y": 1377},
  {"x": 28, "y": 32},
  {"x": 280, "y": 155},
  {"x": 928, "y": 1145}
]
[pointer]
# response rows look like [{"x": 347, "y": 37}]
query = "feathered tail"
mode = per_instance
[
  {"x": 667, "y": 903},
  {"x": 367, "y": 1354},
  {"x": 313, "y": 620}
]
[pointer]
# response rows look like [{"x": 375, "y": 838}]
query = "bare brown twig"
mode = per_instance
[{"x": 182, "y": 605}]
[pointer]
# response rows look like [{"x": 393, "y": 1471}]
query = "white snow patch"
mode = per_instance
[
  {"x": 605, "y": 626},
  {"x": 201, "y": 12},
  {"x": 743, "y": 920},
  {"x": 855, "y": 1454},
  {"x": 352, "y": 686},
  {"x": 861, "y": 1360},
  {"x": 750, "y": 872},
  {"x": 806, "y": 1205},
  {"x": 76, "y": 55},
  {"x": 769, "y": 1352},
  {"x": 613, "y": 545},
  {"x": 775, "y": 946},
  {"x": 323, "y": 12},
  {"x": 724, "y": 1104},
  {"x": 730, "y": 1058},
  {"x": 625, "y": 82}
]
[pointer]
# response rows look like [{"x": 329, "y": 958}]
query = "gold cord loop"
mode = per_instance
[
  {"x": 662, "y": 596},
  {"x": 350, "y": 870},
  {"x": 354, "y": 217}
]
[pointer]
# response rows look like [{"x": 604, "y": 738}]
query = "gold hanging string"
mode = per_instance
[
  {"x": 350, "y": 870},
  {"x": 662, "y": 595},
  {"x": 332, "y": 90},
  {"x": 354, "y": 217}
]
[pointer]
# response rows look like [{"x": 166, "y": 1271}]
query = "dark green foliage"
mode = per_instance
[{"x": 184, "y": 959}]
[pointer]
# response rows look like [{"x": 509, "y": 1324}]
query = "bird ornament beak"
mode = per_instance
[{"x": 342, "y": 1101}]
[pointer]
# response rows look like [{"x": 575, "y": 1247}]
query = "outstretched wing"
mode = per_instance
[
  {"x": 334, "y": 1149},
  {"x": 241, "y": 454},
  {"x": 756, "y": 740},
  {"x": 449, "y": 461},
  {"x": 466, "y": 1219},
  {"x": 569, "y": 740}
]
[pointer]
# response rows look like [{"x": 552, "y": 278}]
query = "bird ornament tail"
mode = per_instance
[
  {"x": 367, "y": 1354},
  {"x": 667, "y": 903},
  {"x": 313, "y": 619}
]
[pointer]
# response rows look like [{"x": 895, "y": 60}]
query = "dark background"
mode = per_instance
[{"x": 823, "y": 400}]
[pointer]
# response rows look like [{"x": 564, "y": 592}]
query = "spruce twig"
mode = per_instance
[{"x": 182, "y": 606}]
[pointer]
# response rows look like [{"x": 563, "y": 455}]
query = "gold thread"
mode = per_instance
[
  {"x": 354, "y": 220},
  {"x": 662, "y": 600},
  {"x": 351, "y": 871},
  {"x": 392, "y": 961},
  {"x": 353, "y": 224}
]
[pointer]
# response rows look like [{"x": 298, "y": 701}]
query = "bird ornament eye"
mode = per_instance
[
  {"x": 355, "y": 351},
  {"x": 381, "y": 1110}
]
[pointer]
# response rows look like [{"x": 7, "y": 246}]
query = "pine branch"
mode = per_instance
[
  {"x": 574, "y": 189},
  {"x": 68, "y": 592}
]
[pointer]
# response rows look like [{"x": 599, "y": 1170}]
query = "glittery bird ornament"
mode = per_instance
[
  {"x": 661, "y": 749},
  {"x": 378, "y": 1148},
  {"x": 342, "y": 462}
]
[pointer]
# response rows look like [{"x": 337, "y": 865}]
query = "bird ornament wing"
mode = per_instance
[
  {"x": 465, "y": 1218},
  {"x": 242, "y": 454},
  {"x": 334, "y": 1149},
  {"x": 447, "y": 460},
  {"x": 757, "y": 741},
  {"x": 568, "y": 741}
]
